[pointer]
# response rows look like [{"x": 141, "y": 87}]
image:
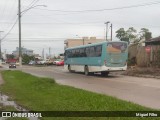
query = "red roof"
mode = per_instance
[{"x": 11, "y": 60}]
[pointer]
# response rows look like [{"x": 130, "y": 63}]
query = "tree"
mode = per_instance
[
  {"x": 26, "y": 58},
  {"x": 121, "y": 33},
  {"x": 145, "y": 34},
  {"x": 131, "y": 34},
  {"x": 148, "y": 35},
  {"x": 10, "y": 56}
]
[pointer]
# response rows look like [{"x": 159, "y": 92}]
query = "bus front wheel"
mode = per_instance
[{"x": 86, "y": 70}]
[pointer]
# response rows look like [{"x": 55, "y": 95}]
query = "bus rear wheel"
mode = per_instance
[
  {"x": 104, "y": 73},
  {"x": 86, "y": 70}
]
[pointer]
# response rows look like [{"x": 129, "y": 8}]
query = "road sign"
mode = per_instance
[{"x": 148, "y": 49}]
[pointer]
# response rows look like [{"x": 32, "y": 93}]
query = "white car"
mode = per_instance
[{"x": 41, "y": 62}]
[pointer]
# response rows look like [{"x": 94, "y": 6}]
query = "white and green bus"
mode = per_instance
[{"x": 101, "y": 57}]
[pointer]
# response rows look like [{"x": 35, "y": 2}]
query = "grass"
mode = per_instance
[{"x": 43, "y": 94}]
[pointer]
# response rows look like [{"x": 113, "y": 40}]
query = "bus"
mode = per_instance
[{"x": 101, "y": 57}]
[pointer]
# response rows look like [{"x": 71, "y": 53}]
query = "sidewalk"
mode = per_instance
[{"x": 143, "y": 72}]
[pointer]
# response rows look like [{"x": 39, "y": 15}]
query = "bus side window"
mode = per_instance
[
  {"x": 98, "y": 50},
  {"x": 82, "y": 52},
  {"x": 87, "y": 51},
  {"x": 77, "y": 53},
  {"x": 92, "y": 52},
  {"x": 73, "y": 53}
]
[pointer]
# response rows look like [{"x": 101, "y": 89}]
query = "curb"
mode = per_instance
[{"x": 144, "y": 76}]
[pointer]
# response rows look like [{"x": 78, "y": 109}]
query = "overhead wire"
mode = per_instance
[
  {"x": 31, "y": 4},
  {"x": 107, "y": 9},
  {"x": 12, "y": 14},
  {"x": 93, "y": 10},
  {"x": 9, "y": 30},
  {"x": 3, "y": 11}
]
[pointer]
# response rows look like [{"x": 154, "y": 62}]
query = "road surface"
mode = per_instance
[{"x": 143, "y": 91}]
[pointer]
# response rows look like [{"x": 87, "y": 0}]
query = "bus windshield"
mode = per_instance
[{"x": 116, "y": 47}]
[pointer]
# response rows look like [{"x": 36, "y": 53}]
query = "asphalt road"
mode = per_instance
[{"x": 143, "y": 91}]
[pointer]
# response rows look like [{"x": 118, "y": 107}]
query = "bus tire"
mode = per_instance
[
  {"x": 86, "y": 70},
  {"x": 69, "y": 68},
  {"x": 104, "y": 73}
]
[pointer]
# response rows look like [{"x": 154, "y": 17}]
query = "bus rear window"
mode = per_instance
[{"x": 116, "y": 47}]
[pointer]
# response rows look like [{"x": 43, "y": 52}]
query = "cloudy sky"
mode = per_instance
[{"x": 44, "y": 27}]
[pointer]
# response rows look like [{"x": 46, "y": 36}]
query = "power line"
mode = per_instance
[
  {"x": 109, "y": 9},
  {"x": 31, "y": 4},
  {"x": 39, "y": 41},
  {"x": 9, "y": 30}
]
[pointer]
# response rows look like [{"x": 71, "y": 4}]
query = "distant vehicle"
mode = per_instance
[
  {"x": 101, "y": 57},
  {"x": 17, "y": 63},
  {"x": 42, "y": 62},
  {"x": 12, "y": 65},
  {"x": 32, "y": 63},
  {"x": 48, "y": 62},
  {"x": 60, "y": 63},
  {"x": 11, "y": 60},
  {"x": 3, "y": 62},
  {"x": 55, "y": 61}
]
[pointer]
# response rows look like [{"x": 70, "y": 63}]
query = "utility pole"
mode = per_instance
[
  {"x": 49, "y": 52},
  {"x": 111, "y": 31},
  {"x": 43, "y": 53},
  {"x": 83, "y": 40},
  {"x": 0, "y": 45},
  {"x": 106, "y": 28},
  {"x": 19, "y": 18}
]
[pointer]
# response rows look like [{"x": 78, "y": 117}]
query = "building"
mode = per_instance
[
  {"x": 77, "y": 42},
  {"x": 24, "y": 51},
  {"x": 154, "y": 54},
  {"x": 153, "y": 41}
]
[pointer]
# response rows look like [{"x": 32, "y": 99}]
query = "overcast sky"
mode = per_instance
[{"x": 44, "y": 27}]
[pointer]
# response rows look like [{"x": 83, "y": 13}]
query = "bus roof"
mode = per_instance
[{"x": 98, "y": 43}]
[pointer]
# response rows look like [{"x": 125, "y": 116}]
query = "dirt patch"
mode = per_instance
[{"x": 143, "y": 72}]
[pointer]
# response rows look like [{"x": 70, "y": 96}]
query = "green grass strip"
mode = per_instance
[{"x": 43, "y": 94}]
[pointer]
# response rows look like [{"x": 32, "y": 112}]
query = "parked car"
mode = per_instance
[
  {"x": 32, "y": 63},
  {"x": 17, "y": 63},
  {"x": 48, "y": 62},
  {"x": 12, "y": 65},
  {"x": 60, "y": 63},
  {"x": 55, "y": 61},
  {"x": 42, "y": 62}
]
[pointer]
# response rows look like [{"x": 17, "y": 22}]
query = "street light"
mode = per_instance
[
  {"x": 106, "y": 28},
  {"x": 19, "y": 19},
  {"x": 0, "y": 45},
  {"x": 32, "y": 8}
]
